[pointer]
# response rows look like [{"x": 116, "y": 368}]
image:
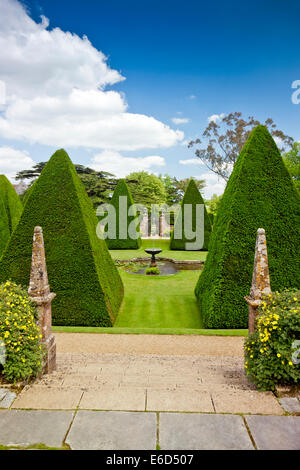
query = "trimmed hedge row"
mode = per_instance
[
  {"x": 10, "y": 211},
  {"x": 259, "y": 193},
  {"x": 119, "y": 243},
  {"x": 81, "y": 272},
  {"x": 192, "y": 196}
]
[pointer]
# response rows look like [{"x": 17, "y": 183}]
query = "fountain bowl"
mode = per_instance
[{"x": 153, "y": 251}]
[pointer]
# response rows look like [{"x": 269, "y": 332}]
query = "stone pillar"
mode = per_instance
[
  {"x": 161, "y": 224},
  {"x": 260, "y": 278},
  {"x": 39, "y": 291}
]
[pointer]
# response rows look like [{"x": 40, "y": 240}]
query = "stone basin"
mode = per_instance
[{"x": 153, "y": 252}]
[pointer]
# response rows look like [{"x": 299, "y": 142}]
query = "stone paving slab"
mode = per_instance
[
  {"x": 189, "y": 431},
  {"x": 246, "y": 401},
  {"x": 290, "y": 404},
  {"x": 114, "y": 399},
  {"x": 25, "y": 428},
  {"x": 275, "y": 432},
  {"x": 7, "y": 399},
  {"x": 112, "y": 430},
  {"x": 179, "y": 400},
  {"x": 43, "y": 398}
]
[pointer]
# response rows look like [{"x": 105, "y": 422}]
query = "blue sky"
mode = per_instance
[{"x": 180, "y": 60}]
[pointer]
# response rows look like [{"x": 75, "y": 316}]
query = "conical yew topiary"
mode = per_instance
[
  {"x": 81, "y": 272},
  {"x": 259, "y": 194},
  {"x": 10, "y": 211},
  {"x": 123, "y": 241},
  {"x": 191, "y": 197}
]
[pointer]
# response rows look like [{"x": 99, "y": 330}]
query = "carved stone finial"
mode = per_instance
[
  {"x": 260, "y": 279},
  {"x": 39, "y": 291}
]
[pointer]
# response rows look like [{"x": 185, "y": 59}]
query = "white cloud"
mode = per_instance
[
  {"x": 215, "y": 117},
  {"x": 191, "y": 161},
  {"x": 12, "y": 161},
  {"x": 180, "y": 120},
  {"x": 55, "y": 90},
  {"x": 192, "y": 97},
  {"x": 214, "y": 184},
  {"x": 278, "y": 141},
  {"x": 115, "y": 163}
]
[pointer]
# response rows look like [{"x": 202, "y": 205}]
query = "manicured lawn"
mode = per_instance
[
  {"x": 158, "y": 304},
  {"x": 167, "y": 253},
  {"x": 147, "y": 331},
  {"x": 159, "y": 301}
]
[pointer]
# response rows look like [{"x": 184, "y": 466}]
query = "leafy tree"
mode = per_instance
[
  {"x": 175, "y": 189},
  {"x": 213, "y": 204},
  {"x": 98, "y": 184},
  {"x": 224, "y": 141},
  {"x": 146, "y": 188},
  {"x": 292, "y": 162}
]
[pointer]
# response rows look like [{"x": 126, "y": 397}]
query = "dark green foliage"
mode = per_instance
[
  {"x": 119, "y": 243},
  {"x": 81, "y": 272},
  {"x": 10, "y": 211},
  {"x": 191, "y": 196},
  {"x": 259, "y": 194}
]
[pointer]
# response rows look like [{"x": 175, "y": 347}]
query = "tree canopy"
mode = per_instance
[
  {"x": 224, "y": 138},
  {"x": 146, "y": 188},
  {"x": 98, "y": 184}
]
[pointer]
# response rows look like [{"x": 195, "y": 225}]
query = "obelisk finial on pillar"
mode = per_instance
[
  {"x": 39, "y": 291},
  {"x": 260, "y": 279}
]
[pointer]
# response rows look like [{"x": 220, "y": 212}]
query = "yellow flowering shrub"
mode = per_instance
[
  {"x": 22, "y": 352},
  {"x": 272, "y": 352}
]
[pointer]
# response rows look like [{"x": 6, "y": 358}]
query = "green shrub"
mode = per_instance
[
  {"x": 10, "y": 211},
  {"x": 268, "y": 351},
  {"x": 154, "y": 271},
  {"x": 119, "y": 243},
  {"x": 192, "y": 196},
  {"x": 259, "y": 194},
  {"x": 80, "y": 269},
  {"x": 19, "y": 333}
]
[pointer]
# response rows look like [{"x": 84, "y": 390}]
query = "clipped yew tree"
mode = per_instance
[
  {"x": 193, "y": 197},
  {"x": 259, "y": 194},
  {"x": 123, "y": 241},
  {"x": 10, "y": 211},
  {"x": 81, "y": 272}
]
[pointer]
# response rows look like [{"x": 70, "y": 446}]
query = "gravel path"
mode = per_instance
[{"x": 189, "y": 345}]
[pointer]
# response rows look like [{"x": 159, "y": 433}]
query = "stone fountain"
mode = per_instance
[{"x": 153, "y": 252}]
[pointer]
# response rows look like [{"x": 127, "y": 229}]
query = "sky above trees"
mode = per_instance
[{"x": 124, "y": 86}]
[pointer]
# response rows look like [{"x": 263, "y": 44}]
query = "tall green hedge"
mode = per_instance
[
  {"x": 192, "y": 196},
  {"x": 10, "y": 211},
  {"x": 123, "y": 243},
  {"x": 259, "y": 194},
  {"x": 81, "y": 272}
]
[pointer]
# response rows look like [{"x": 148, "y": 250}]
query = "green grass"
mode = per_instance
[
  {"x": 159, "y": 301},
  {"x": 147, "y": 331},
  {"x": 166, "y": 253},
  {"x": 158, "y": 305}
]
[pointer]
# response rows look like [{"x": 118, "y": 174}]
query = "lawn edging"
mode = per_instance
[{"x": 148, "y": 331}]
